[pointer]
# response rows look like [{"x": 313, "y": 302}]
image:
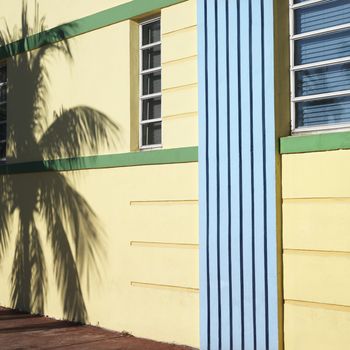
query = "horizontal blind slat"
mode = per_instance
[
  {"x": 323, "y": 112},
  {"x": 323, "y": 80},
  {"x": 322, "y": 15}
]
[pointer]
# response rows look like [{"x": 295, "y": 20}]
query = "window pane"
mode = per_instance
[
  {"x": 151, "y": 83},
  {"x": 322, "y": 112},
  {"x": 151, "y": 134},
  {"x": 151, "y": 57},
  {"x": 3, "y": 112},
  {"x": 319, "y": 16},
  {"x": 3, "y": 76},
  {"x": 151, "y": 108},
  {"x": 2, "y": 131},
  {"x": 151, "y": 33},
  {"x": 323, "y": 47},
  {"x": 324, "y": 79},
  {"x": 2, "y": 150}
]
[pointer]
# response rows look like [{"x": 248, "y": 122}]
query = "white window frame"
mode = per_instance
[
  {"x": 144, "y": 97},
  {"x": 3, "y": 64},
  {"x": 293, "y": 68}
]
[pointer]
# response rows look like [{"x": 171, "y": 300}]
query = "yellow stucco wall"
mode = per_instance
[
  {"x": 148, "y": 282},
  {"x": 56, "y": 12},
  {"x": 89, "y": 78},
  {"x": 316, "y": 249},
  {"x": 149, "y": 274},
  {"x": 179, "y": 75},
  {"x": 102, "y": 73}
]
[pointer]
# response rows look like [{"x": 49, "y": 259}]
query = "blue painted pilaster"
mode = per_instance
[{"x": 238, "y": 254}]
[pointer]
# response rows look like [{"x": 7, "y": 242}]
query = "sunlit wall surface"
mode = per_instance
[{"x": 113, "y": 243}]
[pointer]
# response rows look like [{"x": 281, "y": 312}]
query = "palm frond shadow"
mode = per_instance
[{"x": 72, "y": 229}]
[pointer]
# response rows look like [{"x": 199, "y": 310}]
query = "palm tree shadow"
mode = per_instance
[{"x": 72, "y": 229}]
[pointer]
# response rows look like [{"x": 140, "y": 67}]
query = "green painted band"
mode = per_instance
[
  {"x": 156, "y": 157},
  {"x": 86, "y": 24},
  {"x": 315, "y": 142}
]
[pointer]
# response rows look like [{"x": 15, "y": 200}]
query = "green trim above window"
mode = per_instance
[
  {"x": 315, "y": 142},
  {"x": 155, "y": 157},
  {"x": 86, "y": 24}
]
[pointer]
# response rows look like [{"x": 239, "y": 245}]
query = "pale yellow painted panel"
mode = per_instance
[
  {"x": 318, "y": 174},
  {"x": 161, "y": 182},
  {"x": 117, "y": 196},
  {"x": 315, "y": 328},
  {"x": 104, "y": 85},
  {"x": 142, "y": 187},
  {"x": 180, "y": 131},
  {"x": 6, "y": 263},
  {"x": 179, "y": 73},
  {"x": 164, "y": 265},
  {"x": 163, "y": 314},
  {"x": 179, "y": 16},
  {"x": 181, "y": 100},
  {"x": 99, "y": 84},
  {"x": 179, "y": 44},
  {"x": 317, "y": 224},
  {"x": 56, "y": 12},
  {"x": 156, "y": 222},
  {"x": 182, "y": 326},
  {"x": 317, "y": 277}
]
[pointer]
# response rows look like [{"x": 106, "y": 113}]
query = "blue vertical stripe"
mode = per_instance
[
  {"x": 270, "y": 149},
  {"x": 259, "y": 186},
  {"x": 247, "y": 204},
  {"x": 237, "y": 175},
  {"x": 264, "y": 145},
  {"x": 218, "y": 178},
  {"x": 203, "y": 178},
  {"x": 235, "y": 162},
  {"x": 229, "y": 329},
  {"x": 214, "y": 305},
  {"x": 223, "y": 138}
]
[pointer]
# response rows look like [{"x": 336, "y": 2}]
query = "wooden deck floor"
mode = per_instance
[{"x": 19, "y": 331}]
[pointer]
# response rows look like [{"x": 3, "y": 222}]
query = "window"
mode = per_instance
[
  {"x": 320, "y": 64},
  {"x": 3, "y": 109},
  {"x": 150, "y": 85}
]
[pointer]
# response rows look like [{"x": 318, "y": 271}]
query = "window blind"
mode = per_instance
[
  {"x": 320, "y": 74},
  {"x": 328, "y": 14}
]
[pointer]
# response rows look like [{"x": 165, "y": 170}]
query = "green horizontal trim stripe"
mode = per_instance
[
  {"x": 156, "y": 157},
  {"x": 315, "y": 142},
  {"x": 86, "y": 24}
]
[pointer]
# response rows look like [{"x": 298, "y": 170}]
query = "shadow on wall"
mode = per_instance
[{"x": 72, "y": 230}]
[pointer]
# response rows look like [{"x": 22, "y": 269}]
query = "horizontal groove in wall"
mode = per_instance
[
  {"x": 156, "y": 157},
  {"x": 164, "y": 286},
  {"x": 297, "y": 251},
  {"x": 164, "y": 202},
  {"x": 179, "y": 73},
  {"x": 182, "y": 115},
  {"x": 147, "y": 244},
  {"x": 84, "y": 25},
  {"x": 173, "y": 61},
  {"x": 184, "y": 29},
  {"x": 316, "y": 199},
  {"x": 179, "y": 45},
  {"x": 182, "y": 87},
  {"x": 179, "y": 60},
  {"x": 311, "y": 304}
]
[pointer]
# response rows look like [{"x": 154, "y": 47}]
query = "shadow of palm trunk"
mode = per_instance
[
  {"x": 72, "y": 230},
  {"x": 21, "y": 273}
]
